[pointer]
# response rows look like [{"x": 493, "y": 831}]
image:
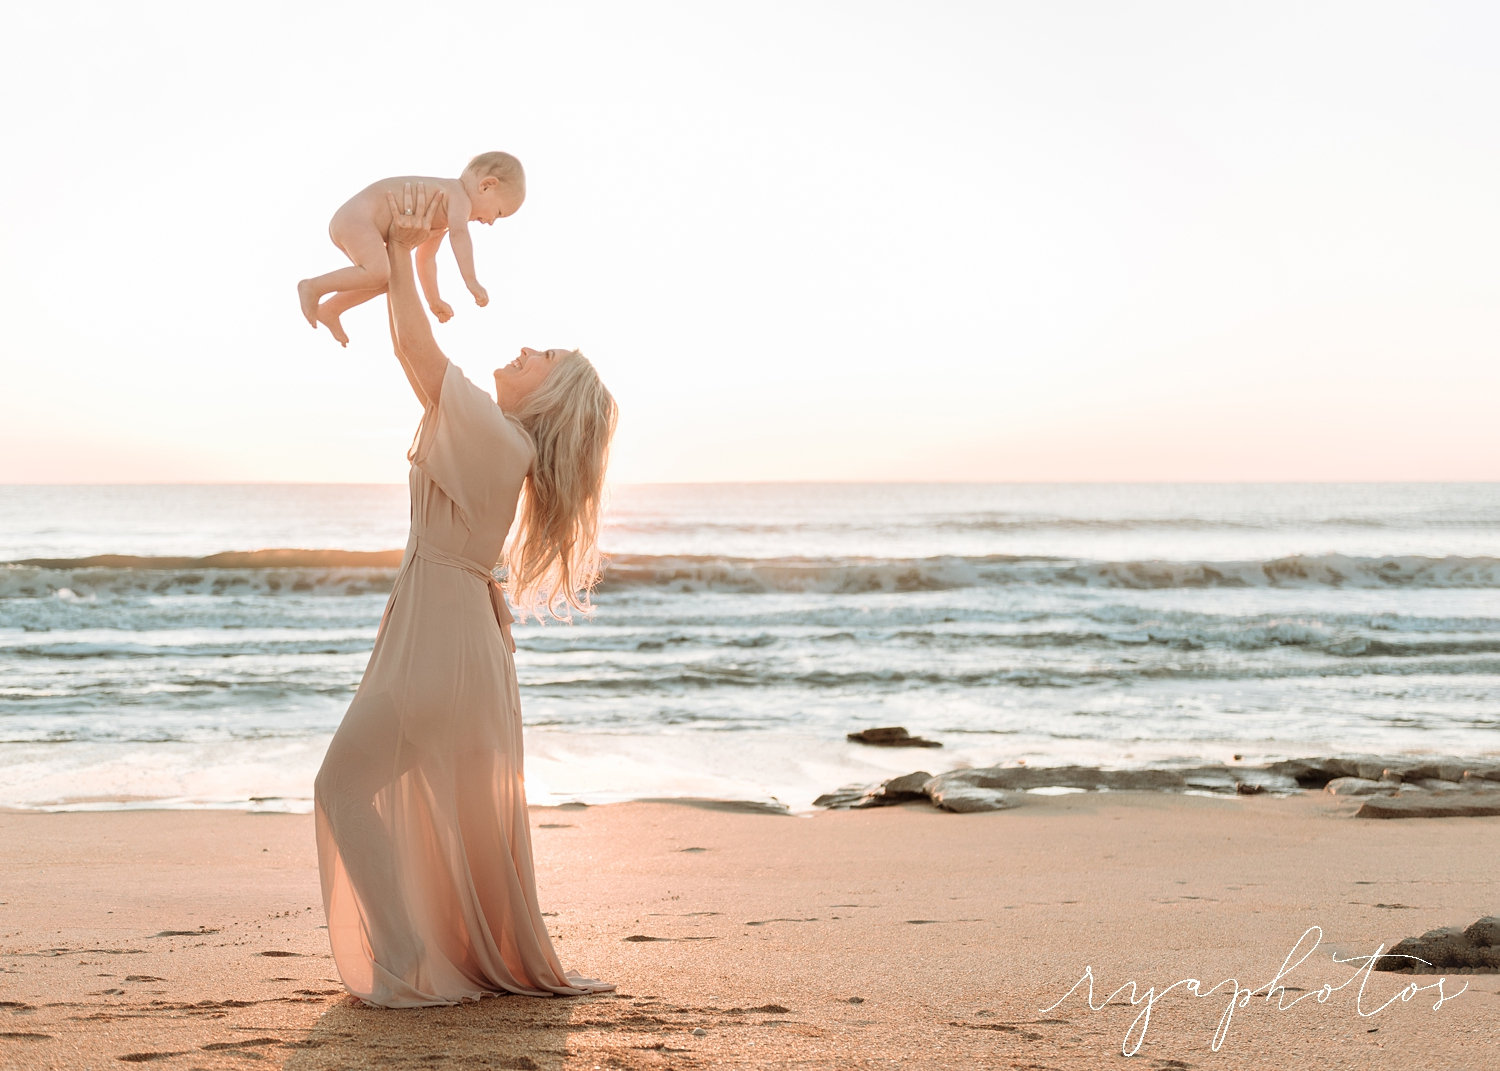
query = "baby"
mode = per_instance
[{"x": 492, "y": 186}]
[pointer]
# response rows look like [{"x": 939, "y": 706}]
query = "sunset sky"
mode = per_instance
[{"x": 808, "y": 240}]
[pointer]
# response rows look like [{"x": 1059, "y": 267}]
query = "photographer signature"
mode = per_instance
[{"x": 1239, "y": 997}]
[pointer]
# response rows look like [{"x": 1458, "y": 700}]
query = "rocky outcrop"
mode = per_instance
[
  {"x": 895, "y": 790},
  {"x": 1316, "y": 773},
  {"x": 955, "y": 792},
  {"x": 1474, "y": 949},
  {"x": 1398, "y": 788},
  {"x": 1466, "y": 804},
  {"x": 1360, "y": 786},
  {"x": 890, "y": 736}
]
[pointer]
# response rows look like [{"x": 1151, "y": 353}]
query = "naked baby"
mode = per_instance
[{"x": 492, "y": 186}]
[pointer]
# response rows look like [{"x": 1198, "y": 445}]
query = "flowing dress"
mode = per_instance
[{"x": 424, "y": 846}]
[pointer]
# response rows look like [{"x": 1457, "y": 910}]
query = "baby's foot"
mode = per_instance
[
  {"x": 330, "y": 320},
  {"x": 307, "y": 297}
]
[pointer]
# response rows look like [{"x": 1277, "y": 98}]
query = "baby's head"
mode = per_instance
[{"x": 496, "y": 186}]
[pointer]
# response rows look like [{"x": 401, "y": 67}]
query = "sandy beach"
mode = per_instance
[{"x": 900, "y": 937}]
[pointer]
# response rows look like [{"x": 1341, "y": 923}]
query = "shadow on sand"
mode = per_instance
[{"x": 496, "y": 1032}]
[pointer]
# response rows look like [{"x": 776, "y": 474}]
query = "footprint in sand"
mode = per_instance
[
  {"x": 767, "y": 922},
  {"x": 220, "y": 1046},
  {"x": 145, "y": 1057}
]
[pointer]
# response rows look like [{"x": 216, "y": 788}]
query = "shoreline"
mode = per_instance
[
  {"x": 969, "y": 788},
  {"x": 916, "y": 938}
]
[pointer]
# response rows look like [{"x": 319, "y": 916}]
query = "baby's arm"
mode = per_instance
[
  {"x": 463, "y": 252},
  {"x": 463, "y": 245},
  {"x": 427, "y": 276}
]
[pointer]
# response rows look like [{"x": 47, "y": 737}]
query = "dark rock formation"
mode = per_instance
[
  {"x": 890, "y": 736},
  {"x": 895, "y": 790},
  {"x": 1360, "y": 786},
  {"x": 1316, "y": 773},
  {"x": 1475, "y": 949},
  {"x": 1399, "y": 787},
  {"x": 1471, "y": 804},
  {"x": 952, "y": 792}
]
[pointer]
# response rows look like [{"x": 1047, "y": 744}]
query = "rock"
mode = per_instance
[
  {"x": 699, "y": 1032},
  {"x": 890, "y": 736},
  {"x": 1357, "y": 786},
  {"x": 1433, "y": 784},
  {"x": 1481, "y": 773},
  {"x": 1090, "y": 778},
  {"x": 1448, "y": 948},
  {"x": 1372, "y": 770},
  {"x": 907, "y": 786},
  {"x": 1313, "y": 773},
  {"x": 1244, "y": 789},
  {"x": 896, "y": 790},
  {"x": 843, "y": 798},
  {"x": 1473, "y": 804},
  {"x": 1086, "y": 777},
  {"x": 1484, "y": 933},
  {"x": 957, "y": 794},
  {"x": 888, "y": 792}
]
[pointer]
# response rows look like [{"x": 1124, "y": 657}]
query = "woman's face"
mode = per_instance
[{"x": 525, "y": 374}]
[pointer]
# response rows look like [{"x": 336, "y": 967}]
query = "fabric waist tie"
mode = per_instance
[{"x": 428, "y": 552}]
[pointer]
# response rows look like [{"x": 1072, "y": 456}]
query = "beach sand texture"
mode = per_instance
[{"x": 903, "y": 937}]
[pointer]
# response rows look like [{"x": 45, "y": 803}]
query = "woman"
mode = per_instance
[{"x": 424, "y": 847}]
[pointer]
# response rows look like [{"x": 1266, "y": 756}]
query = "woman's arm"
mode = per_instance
[
  {"x": 411, "y": 333},
  {"x": 416, "y": 385}
]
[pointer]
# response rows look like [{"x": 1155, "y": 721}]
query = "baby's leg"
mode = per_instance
[
  {"x": 330, "y": 311},
  {"x": 363, "y": 245}
]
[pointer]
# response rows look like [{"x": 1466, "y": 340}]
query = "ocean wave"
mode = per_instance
[
  {"x": 1021, "y": 522},
  {"x": 278, "y": 572},
  {"x": 274, "y": 557},
  {"x": 699, "y": 678},
  {"x": 851, "y": 576},
  {"x": 75, "y": 650}
]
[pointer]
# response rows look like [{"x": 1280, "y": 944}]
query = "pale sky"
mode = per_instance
[{"x": 809, "y": 240}]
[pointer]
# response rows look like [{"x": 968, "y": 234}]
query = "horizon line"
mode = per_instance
[{"x": 791, "y": 483}]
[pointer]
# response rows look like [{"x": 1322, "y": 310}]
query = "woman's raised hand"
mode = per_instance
[{"x": 411, "y": 221}]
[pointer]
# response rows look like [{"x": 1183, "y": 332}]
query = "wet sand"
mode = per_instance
[{"x": 903, "y": 937}]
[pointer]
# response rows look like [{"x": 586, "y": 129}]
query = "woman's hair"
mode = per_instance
[{"x": 554, "y": 558}]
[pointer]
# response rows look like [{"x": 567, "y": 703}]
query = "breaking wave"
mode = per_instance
[{"x": 290, "y": 571}]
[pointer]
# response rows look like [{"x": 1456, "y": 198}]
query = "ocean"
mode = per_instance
[{"x": 743, "y": 629}]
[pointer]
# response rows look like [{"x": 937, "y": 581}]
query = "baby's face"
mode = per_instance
[{"x": 495, "y": 200}]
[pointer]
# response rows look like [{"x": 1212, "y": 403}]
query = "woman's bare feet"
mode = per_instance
[
  {"x": 330, "y": 319},
  {"x": 307, "y": 297}
]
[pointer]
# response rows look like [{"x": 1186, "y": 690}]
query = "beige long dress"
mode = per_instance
[{"x": 424, "y": 847}]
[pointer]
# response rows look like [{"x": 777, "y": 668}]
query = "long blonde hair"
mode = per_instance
[{"x": 553, "y": 558}]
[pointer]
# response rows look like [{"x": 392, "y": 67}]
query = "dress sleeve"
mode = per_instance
[{"x": 462, "y": 444}]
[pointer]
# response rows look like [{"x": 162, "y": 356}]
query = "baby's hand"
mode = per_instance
[
  {"x": 442, "y": 310},
  {"x": 481, "y": 295}
]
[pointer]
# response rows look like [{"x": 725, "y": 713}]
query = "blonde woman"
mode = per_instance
[{"x": 424, "y": 848}]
